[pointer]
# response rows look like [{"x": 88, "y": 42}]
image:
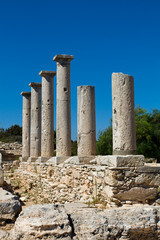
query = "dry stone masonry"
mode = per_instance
[
  {"x": 120, "y": 179},
  {"x": 63, "y": 124},
  {"x": 86, "y": 121}
]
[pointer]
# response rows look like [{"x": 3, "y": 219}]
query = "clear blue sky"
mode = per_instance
[{"x": 104, "y": 36}]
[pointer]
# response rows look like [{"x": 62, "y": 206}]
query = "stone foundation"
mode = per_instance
[{"x": 104, "y": 179}]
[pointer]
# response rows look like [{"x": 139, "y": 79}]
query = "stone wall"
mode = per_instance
[
  {"x": 91, "y": 183},
  {"x": 10, "y": 151}
]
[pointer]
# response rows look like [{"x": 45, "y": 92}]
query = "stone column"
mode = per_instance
[
  {"x": 63, "y": 123},
  {"x": 86, "y": 121},
  {"x": 124, "y": 131},
  {"x": 47, "y": 132},
  {"x": 35, "y": 142},
  {"x": 26, "y": 125}
]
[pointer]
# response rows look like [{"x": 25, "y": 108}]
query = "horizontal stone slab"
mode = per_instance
[
  {"x": 150, "y": 168},
  {"x": 121, "y": 160}
]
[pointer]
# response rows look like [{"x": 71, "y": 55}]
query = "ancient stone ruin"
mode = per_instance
[
  {"x": 119, "y": 179},
  {"x": 123, "y": 187}
]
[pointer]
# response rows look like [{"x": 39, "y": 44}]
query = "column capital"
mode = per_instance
[
  {"x": 35, "y": 84},
  {"x": 26, "y": 93},
  {"x": 44, "y": 73},
  {"x": 63, "y": 57}
]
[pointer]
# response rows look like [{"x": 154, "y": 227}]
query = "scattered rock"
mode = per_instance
[
  {"x": 130, "y": 223},
  {"x": 10, "y": 206},
  {"x": 48, "y": 221}
]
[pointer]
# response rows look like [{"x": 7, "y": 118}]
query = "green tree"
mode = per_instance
[
  {"x": 147, "y": 135},
  {"x": 12, "y": 134},
  {"x": 104, "y": 143}
]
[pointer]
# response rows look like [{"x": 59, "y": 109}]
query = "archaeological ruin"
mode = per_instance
[
  {"x": 85, "y": 187},
  {"x": 118, "y": 179}
]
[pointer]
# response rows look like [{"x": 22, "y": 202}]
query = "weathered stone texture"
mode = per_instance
[
  {"x": 26, "y": 124},
  {"x": 47, "y": 136},
  {"x": 63, "y": 123},
  {"x": 35, "y": 137},
  {"x": 46, "y": 221},
  {"x": 71, "y": 182},
  {"x": 86, "y": 121},
  {"x": 124, "y": 132},
  {"x": 79, "y": 222},
  {"x": 9, "y": 206}
]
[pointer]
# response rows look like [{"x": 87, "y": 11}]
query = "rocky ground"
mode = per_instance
[
  {"x": 78, "y": 221},
  {"x": 24, "y": 216}
]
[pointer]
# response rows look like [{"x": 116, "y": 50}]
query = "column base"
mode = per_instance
[
  {"x": 124, "y": 152},
  {"x": 121, "y": 160},
  {"x": 23, "y": 159},
  {"x": 32, "y": 159},
  {"x": 43, "y": 159}
]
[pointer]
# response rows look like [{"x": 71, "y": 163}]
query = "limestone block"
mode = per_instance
[
  {"x": 137, "y": 194},
  {"x": 148, "y": 179},
  {"x": 46, "y": 221},
  {"x": 149, "y": 168},
  {"x": 124, "y": 131},
  {"x": 9, "y": 206},
  {"x": 119, "y": 223},
  {"x": 121, "y": 160}
]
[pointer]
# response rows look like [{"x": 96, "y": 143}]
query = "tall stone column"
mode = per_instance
[
  {"x": 26, "y": 125},
  {"x": 63, "y": 123},
  {"x": 124, "y": 131},
  {"x": 86, "y": 121},
  {"x": 47, "y": 136},
  {"x": 35, "y": 142}
]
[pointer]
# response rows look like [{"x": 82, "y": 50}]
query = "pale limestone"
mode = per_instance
[
  {"x": 121, "y": 160},
  {"x": 63, "y": 123},
  {"x": 86, "y": 121},
  {"x": 124, "y": 132},
  {"x": 47, "y": 132},
  {"x": 47, "y": 221},
  {"x": 137, "y": 194},
  {"x": 35, "y": 135},
  {"x": 10, "y": 206},
  {"x": 26, "y": 125}
]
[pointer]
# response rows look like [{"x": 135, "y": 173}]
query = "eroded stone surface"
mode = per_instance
[
  {"x": 121, "y": 223},
  {"x": 138, "y": 194},
  {"x": 86, "y": 121},
  {"x": 46, "y": 221},
  {"x": 26, "y": 124},
  {"x": 35, "y": 135},
  {"x": 47, "y": 138},
  {"x": 124, "y": 131},
  {"x": 63, "y": 123},
  {"x": 9, "y": 206},
  {"x": 121, "y": 160}
]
